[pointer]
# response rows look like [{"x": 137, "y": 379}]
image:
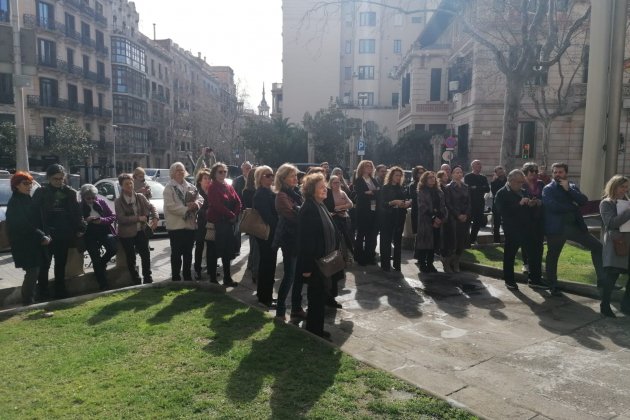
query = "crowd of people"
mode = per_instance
[{"x": 315, "y": 219}]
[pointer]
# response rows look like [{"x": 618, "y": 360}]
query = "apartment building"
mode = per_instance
[
  {"x": 346, "y": 54},
  {"x": 66, "y": 62},
  {"x": 450, "y": 85}
]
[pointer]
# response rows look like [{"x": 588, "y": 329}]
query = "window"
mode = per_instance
[
  {"x": 73, "y": 96},
  {"x": 88, "y": 128},
  {"x": 106, "y": 189},
  {"x": 45, "y": 15},
  {"x": 527, "y": 139},
  {"x": 126, "y": 80},
  {"x": 367, "y": 46},
  {"x": 436, "y": 85},
  {"x": 406, "y": 89},
  {"x": 70, "y": 26},
  {"x": 126, "y": 52},
  {"x": 48, "y": 122},
  {"x": 348, "y": 47},
  {"x": 48, "y": 92},
  {"x": 88, "y": 101},
  {"x": 47, "y": 53},
  {"x": 398, "y": 19},
  {"x": 416, "y": 19},
  {"x": 101, "y": 101},
  {"x": 100, "y": 71},
  {"x": 365, "y": 98},
  {"x": 395, "y": 99},
  {"x": 129, "y": 110},
  {"x": 86, "y": 64},
  {"x": 585, "y": 54},
  {"x": 347, "y": 73},
  {"x": 70, "y": 57},
  {"x": 101, "y": 133},
  {"x": 367, "y": 19},
  {"x": 152, "y": 67},
  {"x": 397, "y": 46},
  {"x": 6, "y": 88},
  {"x": 5, "y": 13},
  {"x": 85, "y": 31},
  {"x": 100, "y": 39},
  {"x": 99, "y": 8},
  {"x": 366, "y": 72}
]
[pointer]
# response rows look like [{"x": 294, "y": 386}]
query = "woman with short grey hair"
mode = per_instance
[
  {"x": 181, "y": 203},
  {"x": 100, "y": 231}
]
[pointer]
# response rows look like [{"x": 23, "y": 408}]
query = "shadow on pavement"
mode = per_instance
[
  {"x": 371, "y": 286},
  {"x": 452, "y": 293}
]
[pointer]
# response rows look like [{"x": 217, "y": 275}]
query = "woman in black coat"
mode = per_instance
[
  {"x": 26, "y": 237},
  {"x": 392, "y": 213},
  {"x": 265, "y": 203},
  {"x": 203, "y": 182},
  {"x": 366, "y": 189},
  {"x": 317, "y": 237}
]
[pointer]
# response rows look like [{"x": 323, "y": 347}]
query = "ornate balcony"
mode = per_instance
[
  {"x": 53, "y": 104},
  {"x": 88, "y": 42},
  {"x": 159, "y": 97},
  {"x": 44, "y": 24},
  {"x": 100, "y": 19},
  {"x": 102, "y": 50}
]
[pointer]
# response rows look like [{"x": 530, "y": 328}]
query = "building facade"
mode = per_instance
[
  {"x": 347, "y": 54},
  {"x": 66, "y": 63},
  {"x": 450, "y": 85}
]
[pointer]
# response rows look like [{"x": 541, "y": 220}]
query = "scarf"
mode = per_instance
[{"x": 330, "y": 239}]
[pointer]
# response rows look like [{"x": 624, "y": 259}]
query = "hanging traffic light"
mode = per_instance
[{"x": 525, "y": 151}]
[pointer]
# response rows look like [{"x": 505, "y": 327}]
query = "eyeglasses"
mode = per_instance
[
  {"x": 268, "y": 175},
  {"x": 222, "y": 172}
]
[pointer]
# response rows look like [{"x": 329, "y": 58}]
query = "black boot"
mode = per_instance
[{"x": 604, "y": 309}]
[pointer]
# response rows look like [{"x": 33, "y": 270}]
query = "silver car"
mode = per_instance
[{"x": 109, "y": 190}]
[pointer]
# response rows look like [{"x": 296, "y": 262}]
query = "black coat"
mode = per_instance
[
  {"x": 24, "y": 231},
  {"x": 311, "y": 242},
  {"x": 265, "y": 203},
  {"x": 59, "y": 211},
  {"x": 516, "y": 219},
  {"x": 364, "y": 201}
]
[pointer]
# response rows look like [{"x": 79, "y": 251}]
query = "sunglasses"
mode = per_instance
[{"x": 268, "y": 175}]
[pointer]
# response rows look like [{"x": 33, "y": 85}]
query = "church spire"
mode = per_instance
[{"x": 263, "y": 108}]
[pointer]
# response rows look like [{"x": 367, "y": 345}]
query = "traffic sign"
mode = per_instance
[
  {"x": 450, "y": 142},
  {"x": 361, "y": 147},
  {"x": 448, "y": 155}
]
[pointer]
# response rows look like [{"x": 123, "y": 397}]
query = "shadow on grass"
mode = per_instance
[
  {"x": 136, "y": 302},
  {"x": 453, "y": 293},
  {"x": 231, "y": 325},
  {"x": 180, "y": 304}
]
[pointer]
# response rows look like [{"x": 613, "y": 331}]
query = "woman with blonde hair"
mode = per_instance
[
  {"x": 366, "y": 189},
  {"x": 614, "y": 264},
  {"x": 181, "y": 203},
  {"x": 265, "y": 203},
  {"x": 392, "y": 213},
  {"x": 288, "y": 203}
]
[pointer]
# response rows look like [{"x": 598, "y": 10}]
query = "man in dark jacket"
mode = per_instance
[
  {"x": 518, "y": 214},
  {"x": 477, "y": 186},
  {"x": 57, "y": 206},
  {"x": 562, "y": 200}
]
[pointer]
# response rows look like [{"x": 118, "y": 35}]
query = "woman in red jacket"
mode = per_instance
[{"x": 224, "y": 206}]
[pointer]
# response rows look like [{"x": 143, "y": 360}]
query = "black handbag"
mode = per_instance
[{"x": 331, "y": 263}]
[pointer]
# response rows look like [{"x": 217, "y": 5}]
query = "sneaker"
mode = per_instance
[
  {"x": 537, "y": 285},
  {"x": 511, "y": 285}
]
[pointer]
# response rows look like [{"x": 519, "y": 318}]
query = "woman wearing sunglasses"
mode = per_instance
[{"x": 265, "y": 203}]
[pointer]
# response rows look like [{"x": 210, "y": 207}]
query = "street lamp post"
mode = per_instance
[{"x": 114, "y": 128}]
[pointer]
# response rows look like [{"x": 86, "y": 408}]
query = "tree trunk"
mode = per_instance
[
  {"x": 545, "y": 143},
  {"x": 513, "y": 89}
]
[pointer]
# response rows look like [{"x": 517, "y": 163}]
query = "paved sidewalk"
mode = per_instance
[{"x": 505, "y": 355}]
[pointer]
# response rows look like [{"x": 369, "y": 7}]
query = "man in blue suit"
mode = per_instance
[{"x": 562, "y": 200}]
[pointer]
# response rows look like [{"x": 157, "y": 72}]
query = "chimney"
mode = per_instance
[{"x": 199, "y": 55}]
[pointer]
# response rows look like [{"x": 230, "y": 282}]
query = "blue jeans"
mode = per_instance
[{"x": 289, "y": 262}]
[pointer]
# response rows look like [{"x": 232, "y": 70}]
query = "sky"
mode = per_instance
[{"x": 243, "y": 34}]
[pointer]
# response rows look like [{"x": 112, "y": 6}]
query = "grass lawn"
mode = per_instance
[
  {"x": 575, "y": 264},
  {"x": 161, "y": 353}
]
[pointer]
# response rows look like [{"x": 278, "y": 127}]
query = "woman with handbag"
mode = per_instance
[
  {"x": 100, "y": 232},
  {"x": 25, "y": 234},
  {"x": 181, "y": 203},
  {"x": 265, "y": 204},
  {"x": 224, "y": 206},
  {"x": 317, "y": 241},
  {"x": 392, "y": 213},
  {"x": 133, "y": 213},
  {"x": 202, "y": 182},
  {"x": 616, "y": 244},
  {"x": 288, "y": 203}
]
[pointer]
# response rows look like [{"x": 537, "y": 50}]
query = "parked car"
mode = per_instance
[
  {"x": 5, "y": 195},
  {"x": 109, "y": 189},
  {"x": 160, "y": 175}
]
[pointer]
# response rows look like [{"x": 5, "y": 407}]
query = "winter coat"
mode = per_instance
[
  {"x": 610, "y": 223},
  {"x": 107, "y": 218},
  {"x": 24, "y": 231},
  {"x": 127, "y": 220},
  {"x": 560, "y": 205},
  {"x": 288, "y": 203},
  {"x": 176, "y": 213},
  {"x": 59, "y": 211},
  {"x": 426, "y": 214}
]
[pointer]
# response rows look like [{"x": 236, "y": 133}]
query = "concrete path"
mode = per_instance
[{"x": 464, "y": 337}]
